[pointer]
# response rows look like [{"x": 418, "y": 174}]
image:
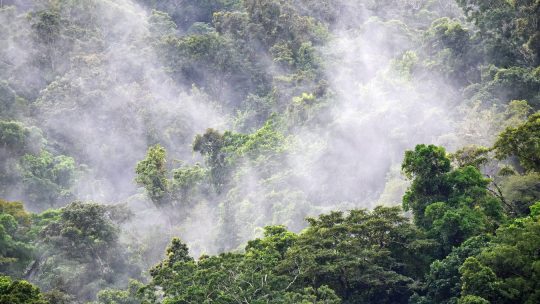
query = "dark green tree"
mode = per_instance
[
  {"x": 231, "y": 278},
  {"x": 506, "y": 270},
  {"x": 427, "y": 166},
  {"x": 451, "y": 204},
  {"x": 443, "y": 281},
  {"x": 365, "y": 257},
  {"x": 19, "y": 292},
  {"x": 478, "y": 280}
]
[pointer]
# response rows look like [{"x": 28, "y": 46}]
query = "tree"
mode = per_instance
[
  {"x": 152, "y": 174},
  {"x": 161, "y": 24},
  {"x": 522, "y": 142},
  {"x": 509, "y": 29},
  {"x": 186, "y": 12},
  {"x": 15, "y": 249},
  {"x": 83, "y": 231},
  {"x": 426, "y": 166},
  {"x": 452, "y": 48},
  {"x": 19, "y": 292},
  {"x": 48, "y": 179},
  {"x": 521, "y": 191},
  {"x": 365, "y": 257},
  {"x": 189, "y": 183},
  {"x": 472, "y": 300},
  {"x": 478, "y": 280},
  {"x": 48, "y": 29},
  {"x": 504, "y": 270},
  {"x": 251, "y": 277},
  {"x": 210, "y": 61},
  {"x": 16, "y": 139},
  {"x": 222, "y": 151},
  {"x": 443, "y": 281},
  {"x": 211, "y": 145},
  {"x": 114, "y": 296},
  {"x": 451, "y": 204},
  {"x": 80, "y": 251}
]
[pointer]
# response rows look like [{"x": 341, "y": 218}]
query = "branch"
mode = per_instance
[
  {"x": 500, "y": 196},
  {"x": 295, "y": 277}
]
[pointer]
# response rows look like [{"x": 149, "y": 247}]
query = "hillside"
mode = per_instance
[{"x": 269, "y": 151}]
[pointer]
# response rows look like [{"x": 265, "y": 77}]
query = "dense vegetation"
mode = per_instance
[{"x": 269, "y": 151}]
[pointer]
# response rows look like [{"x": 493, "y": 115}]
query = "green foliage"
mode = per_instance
[
  {"x": 452, "y": 205},
  {"x": 17, "y": 139},
  {"x": 48, "y": 179},
  {"x": 517, "y": 83},
  {"x": 45, "y": 179},
  {"x": 472, "y": 300},
  {"x": 361, "y": 257},
  {"x": 522, "y": 142},
  {"x": 15, "y": 250},
  {"x": 177, "y": 252},
  {"x": 279, "y": 21},
  {"x": 161, "y": 24},
  {"x": 186, "y": 12},
  {"x": 105, "y": 79},
  {"x": 521, "y": 191},
  {"x": 426, "y": 166},
  {"x": 365, "y": 257},
  {"x": 502, "y": 84},
  {"x": 56, "y": 296},
  {"x": 471, "y": 156},
  {"x": 82, "y": 230},
  {"x": 493, "y": 56},
  {"x": 443, "y": 281},
  {"x": 478, "y": 279},
  {"x": 15, "y": 209},
  {"x": 452, "y": 50},
  {"x": 187, "y": 180},
  {"x": 211, "y": 145},
  {"x": 266, "y": 140},
  {"x": 509, "y": 28},
  {"x": 499, "y": 269},
  {"x": 49, "y": 31},
  {"x": 19, "y": 292},
  {"x": 223, "y": 151},
  {"x": 229, "y": 278},
  {"x": 509, "y": 264},
  {"x": 152, "y": 174},
  {"x": 80, "y": 251},
  {"x": 425, "y": 161},
  {"x": 211, "y": 61},
  {"x": 114, "y": 296},
  {"x": 47, "y": 26}
]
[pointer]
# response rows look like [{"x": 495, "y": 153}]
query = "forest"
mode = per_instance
[{"x": 269, "y": 151}]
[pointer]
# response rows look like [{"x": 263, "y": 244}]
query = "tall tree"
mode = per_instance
[{"x": 152, "y": 174}]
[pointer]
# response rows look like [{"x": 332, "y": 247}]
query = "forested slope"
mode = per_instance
[{"x": 269, "y": 151}]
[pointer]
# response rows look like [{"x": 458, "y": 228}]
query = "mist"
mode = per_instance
[
  {"x": 349, "y": 154},
  {"x": 113, "y": 99},
  {"x": 95, "y": 85}
]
